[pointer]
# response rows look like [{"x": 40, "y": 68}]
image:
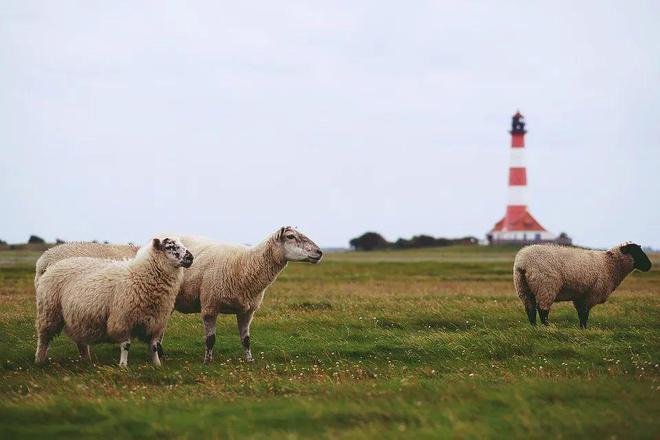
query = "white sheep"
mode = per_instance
[
  {"x": 544, "y": 274},
  {"x": 98, "y": 300},
  {"x": 82, "y": 249},
  {"x": 232, "y": 279}
]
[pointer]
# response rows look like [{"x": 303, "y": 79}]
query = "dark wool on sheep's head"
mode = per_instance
[
  {"x": 641, "y": 261},
  {"x": 174, "y": 250}
]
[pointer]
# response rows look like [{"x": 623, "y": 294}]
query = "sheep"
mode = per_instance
[
  {"x": 82, "y": 249},
  {"x": 250, "y": 271},
  {"x": 97, "y": 300},
  {"x": 232, "y": 279},
  {"x": 543, "y": 274}
]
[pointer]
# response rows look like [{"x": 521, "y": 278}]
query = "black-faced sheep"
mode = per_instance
[
  {"x": 97, "y": 300},
  {"x": 544, "y": 274}
]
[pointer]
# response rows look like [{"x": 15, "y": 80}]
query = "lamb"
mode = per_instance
[
  {"x": 543, "y": 274},
  {"x": 232, "y": 279},
  {"x": 97, "y": 300},
  {"x": 80, "y": 249}
]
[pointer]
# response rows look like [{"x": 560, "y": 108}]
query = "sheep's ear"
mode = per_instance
[
  {"x": 280, "y": 233},
  {"x": 156, "y": 244}
]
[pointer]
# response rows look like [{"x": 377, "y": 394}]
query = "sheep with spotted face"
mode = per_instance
[
  {"x": 232, "y": 279},
  {"x": 544, "y": 274},
  {"x": 82, "y": 249},
  {"x": 96, "y": 300}
]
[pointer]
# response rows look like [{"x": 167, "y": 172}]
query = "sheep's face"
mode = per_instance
[
  {"x": 640, "y": 260},
  {"x": 297, "y": 247},
  {"x": 174, "y": 251}
]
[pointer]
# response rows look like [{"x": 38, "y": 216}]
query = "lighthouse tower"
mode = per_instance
[{"x": 518, "y": 226}]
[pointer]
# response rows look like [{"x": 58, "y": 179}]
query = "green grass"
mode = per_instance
[{"x": 424, "y": 343}]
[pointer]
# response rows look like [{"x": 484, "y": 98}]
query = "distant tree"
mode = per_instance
[
  {"x": 35, "y": 240},
  {"x": 421, "y": 241},
  {"x": 59, "y": 241},
  {"x": 369, "y": 241},
  {"x": 466, "y": 240},
  {"x": 372, "y": 240},
  {"x": 3, "y": 243},
  {"x": 424, "y": 241},
  {"x": 416, "y": 242},
  {"x": 106, "y": 242},
  {"x": 402, "y": 243},
  {"x": 564, "y": 239}
]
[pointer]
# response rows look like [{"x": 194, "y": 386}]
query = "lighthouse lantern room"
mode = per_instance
[{"x": 518, "y": 226}]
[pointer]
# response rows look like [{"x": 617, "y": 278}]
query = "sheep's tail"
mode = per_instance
[{"x": 525, "y": 293}]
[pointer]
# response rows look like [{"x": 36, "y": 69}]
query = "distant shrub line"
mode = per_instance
[
  {"x": 35, "y": 243},
  {"x": 371, "y": 241}
]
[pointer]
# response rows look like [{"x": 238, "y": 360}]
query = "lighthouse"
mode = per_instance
[{"x": 518, "y": 226}]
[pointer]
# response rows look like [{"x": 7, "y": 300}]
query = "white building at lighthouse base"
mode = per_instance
[{"x": 519, "y": 227}]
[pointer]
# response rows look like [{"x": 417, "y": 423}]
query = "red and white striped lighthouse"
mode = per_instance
[{"x": 518, "y": 225}]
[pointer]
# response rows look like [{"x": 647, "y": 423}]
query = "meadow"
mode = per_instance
[{"x": 427, "y": 343}]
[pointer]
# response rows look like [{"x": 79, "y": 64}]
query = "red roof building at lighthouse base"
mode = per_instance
[{"x": 524, "y": 222}]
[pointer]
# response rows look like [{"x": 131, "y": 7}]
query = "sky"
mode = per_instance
[{"x": 123, "y": 119}]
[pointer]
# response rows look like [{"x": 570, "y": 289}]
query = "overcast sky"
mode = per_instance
[{"x": 229, "y": 119}]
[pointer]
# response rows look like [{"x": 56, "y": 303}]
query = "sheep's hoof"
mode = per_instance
[
  {"x": 208, "y": 359},
  {"x": 247, "y": 353}
]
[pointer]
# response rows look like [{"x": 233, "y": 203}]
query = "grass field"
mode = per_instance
[{"x": 426, "y": 344}]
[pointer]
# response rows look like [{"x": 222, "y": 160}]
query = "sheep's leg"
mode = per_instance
[
  {"x": 544, "y": 299},
  {"x": 530, "y": 307},
  {"x": 159, "y": 349},
  {"x": 85, "y": 354},
  {"x": 161, "y": 352},
  {"x": 125, "y": 346},
  {"x": 209, "y": 331},
  {"x": 583, "y": 312},
  {"x": 42, "y": 348},
  {"x": 543, "y": 314},
  {"x": 525, "y": 295},
  {"x": 46, "y": 334},
  {"x": 244, "y": 320},
  {"x": 155, "y": 359},
  {"x": 531, "y": 313},
  {"x": 49, "y": 323}
]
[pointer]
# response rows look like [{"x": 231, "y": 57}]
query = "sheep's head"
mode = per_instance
[
  {"x": 296, "y": 246},
  {"x": 174, "y": 251},
  {"x": 640, "y": 260}
]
